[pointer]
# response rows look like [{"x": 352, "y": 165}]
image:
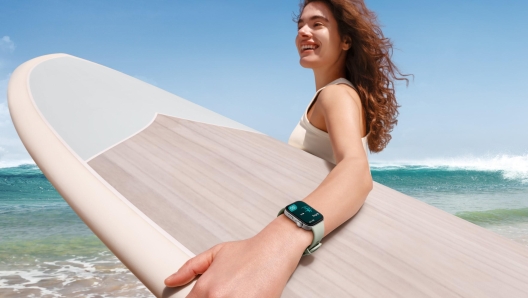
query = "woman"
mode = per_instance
[{"x": 355, "y": 104}]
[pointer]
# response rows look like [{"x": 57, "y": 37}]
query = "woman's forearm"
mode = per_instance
[
  {"x": 342, "y": 192},
  {"x": 338, "y": 198}
]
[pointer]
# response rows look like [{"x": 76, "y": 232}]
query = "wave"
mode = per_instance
[
  {"x": 25, "y": 181},
  {"x": 20, "y": 169},
  {"x": 496, "y": 216},
  {"x": 16, "y": 163},
  {"x": 513, "y": 167}
]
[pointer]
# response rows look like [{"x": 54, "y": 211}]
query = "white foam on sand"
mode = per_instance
[{"x": 99, "y": 276}]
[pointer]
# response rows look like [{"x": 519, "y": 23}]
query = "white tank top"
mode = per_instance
[{"x": 311, "y": 139}]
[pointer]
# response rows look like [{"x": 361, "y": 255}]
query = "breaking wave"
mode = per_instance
[{"x": 513, "y": 167}]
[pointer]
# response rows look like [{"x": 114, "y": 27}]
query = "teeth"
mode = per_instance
[{"x": 308, "y": 47}]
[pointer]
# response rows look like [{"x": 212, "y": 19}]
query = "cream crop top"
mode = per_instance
[{"x": 311, "y": 139}]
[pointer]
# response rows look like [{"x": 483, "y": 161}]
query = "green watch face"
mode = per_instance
[{"x": 305, "y": 213}]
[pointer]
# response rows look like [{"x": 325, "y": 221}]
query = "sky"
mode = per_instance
[{"x": 468, "y": 97}]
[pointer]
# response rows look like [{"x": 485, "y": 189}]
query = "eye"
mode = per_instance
[{"x": 318, "y": 24}]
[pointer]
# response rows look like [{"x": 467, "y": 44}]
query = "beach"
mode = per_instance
[{"x": 47, "y": 251}]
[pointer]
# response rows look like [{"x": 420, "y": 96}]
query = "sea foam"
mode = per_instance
[
  {"x": 78, "y": 276},
  {"x": 16, "y": 163},
  {"x": 513, "y": 167}
]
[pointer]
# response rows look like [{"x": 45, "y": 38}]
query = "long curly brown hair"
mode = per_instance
[{"x": 368, "y": 66}]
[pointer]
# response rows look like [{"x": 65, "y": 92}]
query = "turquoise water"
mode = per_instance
[
  {"x": 491, "y": 193},
  {"x": 47, "y": 251}
]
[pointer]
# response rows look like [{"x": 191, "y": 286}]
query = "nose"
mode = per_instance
[{"x": 304, "y": 31}]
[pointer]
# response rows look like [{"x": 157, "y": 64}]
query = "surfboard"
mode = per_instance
[{"x": 160, "y": 179}]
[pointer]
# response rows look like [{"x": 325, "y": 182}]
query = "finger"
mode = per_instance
[{"x": 191, "y": 268}]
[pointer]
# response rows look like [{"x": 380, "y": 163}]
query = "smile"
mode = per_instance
[{"x": 306, "y": 47}]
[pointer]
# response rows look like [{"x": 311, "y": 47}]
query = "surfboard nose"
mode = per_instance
[{"x": 93, "y": 107}]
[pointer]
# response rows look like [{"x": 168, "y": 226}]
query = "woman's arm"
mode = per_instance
[
  {"x": 344, "y": 190},
  {"x": 260, "y": 266}
]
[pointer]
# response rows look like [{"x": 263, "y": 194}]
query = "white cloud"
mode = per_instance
[
  {"x": 5, "y": 119},
  {"x": 3, "y": 88},
  {"x": 12, "y": 152},
  {"x": 7, "y": 45}
]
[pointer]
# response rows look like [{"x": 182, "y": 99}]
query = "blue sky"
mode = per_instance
[{"x": 469, "y": 59}]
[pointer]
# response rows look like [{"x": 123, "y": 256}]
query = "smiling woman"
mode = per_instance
[
  {"x": 159, "y": 180},
  {"x": 366, "y": 57},
  {"x": 354, "y": 105}
]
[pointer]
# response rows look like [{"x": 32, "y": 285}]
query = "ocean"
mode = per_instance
[{"x": 47, "y": 251}]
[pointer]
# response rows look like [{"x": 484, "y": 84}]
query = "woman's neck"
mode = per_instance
[{"x": 325, "y": 76}]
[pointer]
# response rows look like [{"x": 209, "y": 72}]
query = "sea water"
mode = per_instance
[
  {"x": 47, "y": 251},
  {"x": 490, "y": 192}
]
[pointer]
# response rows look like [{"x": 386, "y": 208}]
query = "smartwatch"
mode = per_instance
[{"x": 306, "y": 218}]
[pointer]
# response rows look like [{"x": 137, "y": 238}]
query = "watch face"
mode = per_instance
[{"x": 305, "y": 213}]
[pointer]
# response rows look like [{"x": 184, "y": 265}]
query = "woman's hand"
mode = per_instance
[{"x": 256, "y": 267}]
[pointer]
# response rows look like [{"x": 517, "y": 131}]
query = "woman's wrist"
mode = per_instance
[{"x": 290, "y": 236}]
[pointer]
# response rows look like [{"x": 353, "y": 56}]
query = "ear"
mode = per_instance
[{"x": 346, "y": 43}]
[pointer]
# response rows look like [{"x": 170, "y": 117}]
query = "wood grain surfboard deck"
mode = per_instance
[
  {"x": 161, "y": 180},
  {"x": 207, "y": 184}
]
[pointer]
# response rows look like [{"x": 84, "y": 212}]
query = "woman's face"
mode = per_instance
[{"x": 318, "y": 41}]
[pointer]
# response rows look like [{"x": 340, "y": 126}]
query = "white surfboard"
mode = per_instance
[{"x": 160, "y": 179}]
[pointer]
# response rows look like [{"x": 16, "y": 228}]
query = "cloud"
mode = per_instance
[
  {"x": 7, "y": 45},
  {"x": 12, "y": 151},
  {"x": 5, "y": 119},
  {"x": 3, "y": 88}
]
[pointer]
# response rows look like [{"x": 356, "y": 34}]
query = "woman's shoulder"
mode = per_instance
[{"x": 337, "y": 95}]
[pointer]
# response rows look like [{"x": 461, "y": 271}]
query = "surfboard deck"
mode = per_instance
[{"x": 159, "y": 179}]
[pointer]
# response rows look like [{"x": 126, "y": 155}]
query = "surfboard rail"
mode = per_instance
[{"x": 107, "y": 213}]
